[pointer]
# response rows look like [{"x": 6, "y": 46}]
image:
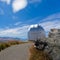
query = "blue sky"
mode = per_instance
[{"x": 17, "y": 16}]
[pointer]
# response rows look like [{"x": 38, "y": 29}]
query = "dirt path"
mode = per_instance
[{"x": 17, "y": 52}]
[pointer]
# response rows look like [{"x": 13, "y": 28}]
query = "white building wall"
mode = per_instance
[{"x": 34, "y": 35}]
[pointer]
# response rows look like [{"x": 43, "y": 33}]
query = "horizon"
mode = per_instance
[{"x": 18, "y": 16}]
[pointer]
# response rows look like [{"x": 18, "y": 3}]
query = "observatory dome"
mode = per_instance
[
  {"x": 36, "y": 28},
  {"x": 36, "y": 33}
]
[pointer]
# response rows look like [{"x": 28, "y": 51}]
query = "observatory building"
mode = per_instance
[{"x": 36, "y": 33}]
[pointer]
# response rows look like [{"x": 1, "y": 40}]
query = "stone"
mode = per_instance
[{"x": 53, "y": 49}]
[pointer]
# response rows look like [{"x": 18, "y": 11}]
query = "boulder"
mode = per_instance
[{"x": 53, "y": 48}]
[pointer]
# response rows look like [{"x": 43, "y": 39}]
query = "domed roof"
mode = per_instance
[{"x": 37, "y": 28}]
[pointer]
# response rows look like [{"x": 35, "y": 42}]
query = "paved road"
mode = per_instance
[{"x": 17, "y": 52}]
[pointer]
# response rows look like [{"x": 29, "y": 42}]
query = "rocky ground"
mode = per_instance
[{"x": 53, "y": 48}]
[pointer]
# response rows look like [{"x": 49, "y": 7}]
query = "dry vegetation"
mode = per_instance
[
  {"x": 38, "y": 55},
  {"x": 9, "y": 43}
]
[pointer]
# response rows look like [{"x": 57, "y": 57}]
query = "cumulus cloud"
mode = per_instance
[
  {"x": 18, "y": 5},
  {"x": 6, "y": 1}
]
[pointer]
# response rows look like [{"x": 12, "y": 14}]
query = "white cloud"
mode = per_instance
[
  {"x": 52, "y": 17},
  {"x": 52, "y": 21},
  {"x": 18, "y": 5},
  {"x": 50, "y": 24},
  {"x": 6, "y": 1},
  {"x": 15, "y": 32},
  {"x": 22, "y": 31},
  {"x": 18, "y": 23}
]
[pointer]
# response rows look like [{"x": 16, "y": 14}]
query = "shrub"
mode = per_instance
[
  {"x": 2, "y": 46},
  {"x": 9, "y": 43},
  {"x": 37, "y": 54}
]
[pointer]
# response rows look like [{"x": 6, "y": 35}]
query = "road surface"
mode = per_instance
[{"x": 17, "y": 52}]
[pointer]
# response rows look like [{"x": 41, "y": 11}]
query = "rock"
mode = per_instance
[
  {"x": 53, "y": 49},
  {"x": 55, "y": 53}
]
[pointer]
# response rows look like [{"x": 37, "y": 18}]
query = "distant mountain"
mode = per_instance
[
  {"x": 8, "y": 38},
  {"x": 4, "y": 39}
]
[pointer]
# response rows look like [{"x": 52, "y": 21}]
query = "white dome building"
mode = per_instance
[{"x": 36, "y": 33}]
